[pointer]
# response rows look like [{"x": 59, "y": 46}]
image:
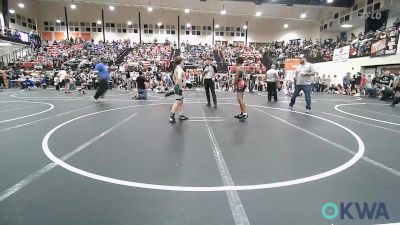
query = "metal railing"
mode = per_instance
[{"x": 13, "y": 56}]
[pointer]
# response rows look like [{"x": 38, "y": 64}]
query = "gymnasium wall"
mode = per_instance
[
  {"x": 25, "y": 18},
  {"x": 259, "y": 29}
]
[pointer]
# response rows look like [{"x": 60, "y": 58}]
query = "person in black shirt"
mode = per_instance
[
  {"x": 386, "y": 79},
  {"x": 358, "y": 82},
  {"x": 158, "y": 78},
  {"x": 353, "y": 84},
  {"x": 387, "y": 92},
  {"x": 375, "y": 81},
  {"x": 141, "y": 86}
]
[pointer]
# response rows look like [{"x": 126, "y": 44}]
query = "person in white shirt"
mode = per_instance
[
  {"x": 303, "y": 74},
  {"x": 208, "y": 75},
  {"x": 272, "y": 78},
  {"x": 61, "y": 74},
  {"x": 57, "y": 83}
]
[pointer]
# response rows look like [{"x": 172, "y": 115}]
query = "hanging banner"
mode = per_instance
[
  {"x": 86, "y": 36},
  {"x": 391, "y": 44},
  {"x": 341, "y": 54},
  {"x": 59, "y": 36},
  {"x": 48, "y": 36},
  {"x": 291, "y": 64},
  {"x": 378, "y": 48}
]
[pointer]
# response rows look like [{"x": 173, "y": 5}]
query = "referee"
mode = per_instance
[
  {"x": 208, "y": 76},
  {"x": 272, "y": 77}
]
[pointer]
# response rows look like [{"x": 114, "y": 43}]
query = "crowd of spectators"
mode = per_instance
[
  {"x": 382, "y": 85},
  {"x": 322, "y": 50},
  {"x": 73, "y": 60}
]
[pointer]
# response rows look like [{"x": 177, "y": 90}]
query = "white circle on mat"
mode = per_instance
[
  {"x": 30, "y": 115},
  {"x": 363, "y": 117},
  {"x": 357, "y": 156}
]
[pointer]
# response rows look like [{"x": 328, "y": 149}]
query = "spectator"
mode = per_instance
[
  {"x": 141, "y": 86},
  {"x": 363, "y": 82},
  {"x": 346, "y": 84},
  {"x": 386, "y": 79},
  {"x": 370, "y": 88},
  {"x": 317, "y": 80},
  {"x": 2, "y": 83},
  {"x": 386, "y": 92},
  {"x": 357, "y": 83}
]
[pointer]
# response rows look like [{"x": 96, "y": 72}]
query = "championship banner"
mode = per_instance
[
  {"x": 391, "y": 44},
  {"x": 378, "y": 48},
  {"x": 291, "y": 64},
  {"x": 341, "y": 54}
]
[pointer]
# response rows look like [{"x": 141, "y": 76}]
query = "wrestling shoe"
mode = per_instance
[
  {"x": 183, "y": 117},
  {"x": 172, "y": 119},
  {"x": 244, "y": 117},
  {"x": 238, "y": 116}
]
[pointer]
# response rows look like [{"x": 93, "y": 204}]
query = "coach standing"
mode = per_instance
[
  {"x": 103, "y": 77},
  {"x": 303, "y": 74},
  {"x": 208, "y": 76}
]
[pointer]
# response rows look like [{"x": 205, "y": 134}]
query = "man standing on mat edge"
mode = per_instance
[
  {"x": 209, "y": 75},
  {"x": 303, "y": 74},
  {"x": 103, "y": 77},
  {"x": 179, "y": 80}
]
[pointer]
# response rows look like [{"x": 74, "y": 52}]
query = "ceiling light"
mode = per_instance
[
  {"x": 346, "y": 25},
  {"x": 216, "y": 25},
  {"x": 129, "y": 23},
  {"x": 187, "y": 11},
  {"x": 159, "y": 24},
  {"x": 223, "y": 11},
  {"x": 329, "y": 1},
  {"x": 150, "y": 9},
  {"x": 73, "y": 6},
  {"x": 111, "y": 7},
  {"x": 98, "y": 22},
  {"x": 303, "y": 15},
  {"x": 285, "y": 25},
  {"x": 245, "y": 27},
  {"x": 12, "y": 11},
  {"x": 188, "y": 25},
  {"x": 21, "y": 5},
  {"x": 258, "y": 13},
  {"x": 58, "y": 21}
]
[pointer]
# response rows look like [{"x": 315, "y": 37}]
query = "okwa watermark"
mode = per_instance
[{"x": 355, "y": 210}]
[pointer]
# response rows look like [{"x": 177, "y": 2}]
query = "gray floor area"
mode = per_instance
[{"x": 203, "y": 162}]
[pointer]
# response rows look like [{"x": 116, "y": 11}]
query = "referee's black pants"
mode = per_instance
[
  {"x": 103, "y": 87},
  {"x": 272, "y": 92},
  {"x": 210, "y": 85}
]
